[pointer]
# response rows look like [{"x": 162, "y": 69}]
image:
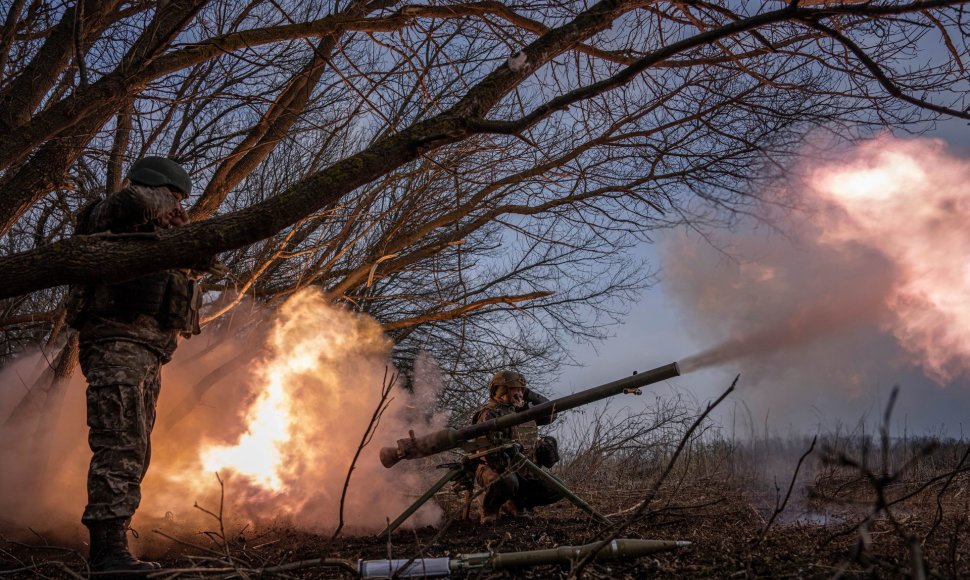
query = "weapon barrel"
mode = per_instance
[{"x": 445, "y": 439}]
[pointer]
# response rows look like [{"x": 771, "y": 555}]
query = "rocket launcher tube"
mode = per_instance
[{"x": 445, "y": 439}]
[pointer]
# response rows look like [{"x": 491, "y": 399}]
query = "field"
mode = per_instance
[{"x": 847, "y": 505}]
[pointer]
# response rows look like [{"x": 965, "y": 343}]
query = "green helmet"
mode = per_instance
[
  {"x": 158, "y": 171},
  {"x": 502, "y": 380}
]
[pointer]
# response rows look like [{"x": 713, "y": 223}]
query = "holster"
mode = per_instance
[
  {"x": 181, "y": 307},
  {"x": 76, "y": 306},
  {"x": 547, "y": 451}
]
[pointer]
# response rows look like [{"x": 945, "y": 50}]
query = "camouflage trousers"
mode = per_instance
[
  {"x": 123, "y": 384},
  {"x": 525, "y": 490}
]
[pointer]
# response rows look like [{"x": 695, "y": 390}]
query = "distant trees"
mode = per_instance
[{"x": 388, "y": 153}]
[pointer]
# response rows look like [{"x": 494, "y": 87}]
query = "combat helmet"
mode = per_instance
[
  {"x": 502, "y": 380},
  {"x": 156, "y": 171}
]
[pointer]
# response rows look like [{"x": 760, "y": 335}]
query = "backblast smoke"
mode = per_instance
[{"x": 279, "y": 418}]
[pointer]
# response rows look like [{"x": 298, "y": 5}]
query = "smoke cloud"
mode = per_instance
[
  {"x": 866, "y": 287},
  {"x": 279, "y": 417}
]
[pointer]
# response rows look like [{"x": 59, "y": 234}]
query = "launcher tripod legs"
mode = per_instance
[
  {"x": 554, "y": 482},
  {"x": 550, "y": 480},
  {"x": 452, "y": 473}
]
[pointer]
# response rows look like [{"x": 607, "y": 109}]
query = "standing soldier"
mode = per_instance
[
  {"x": 126, "y": 332},
  {"x": 514, "y": 491}
]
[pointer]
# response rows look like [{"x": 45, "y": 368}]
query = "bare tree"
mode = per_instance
[{"x": 399, "y": 157}]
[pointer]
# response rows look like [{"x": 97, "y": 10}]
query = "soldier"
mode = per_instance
[
  {"x": 127, "y": 331},
  {"x": 514, "y": 491}
]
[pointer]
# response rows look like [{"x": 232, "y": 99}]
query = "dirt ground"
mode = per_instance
[{"x": 725, "y": 528}]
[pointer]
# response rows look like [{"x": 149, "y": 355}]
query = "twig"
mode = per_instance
[
  {"x": 423, "y": 550},
  {"x": 188, "y": 544},
  {"x": 67, "y": 570},
  {"x": 880, "y": 484},
  {"x": 364, "y": 440},
  {"x": 791, "y": 485},
  {"x": 652, "y": 492},
  {"x": 344, "y": 565},
  {"x": 219, "y": 518},
  {"x": 939, "y": 496},
  {"x": 46, "y": 545},
  {"x": 34, "y": 567}
]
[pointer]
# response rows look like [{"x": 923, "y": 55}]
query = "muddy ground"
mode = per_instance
[{"x": 810, "y": 539}]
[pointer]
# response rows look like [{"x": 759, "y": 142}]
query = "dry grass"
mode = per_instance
[{"x": 862, "y": 505}]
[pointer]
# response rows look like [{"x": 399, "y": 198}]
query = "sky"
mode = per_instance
[{"x": 835, "y": 381}]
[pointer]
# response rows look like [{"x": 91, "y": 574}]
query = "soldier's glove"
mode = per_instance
[
  {"x": 498, "y": 462},
  {"x": 547, "y": 451}
]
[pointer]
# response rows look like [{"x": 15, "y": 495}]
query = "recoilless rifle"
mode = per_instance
[{"x": 488, "y": 437}]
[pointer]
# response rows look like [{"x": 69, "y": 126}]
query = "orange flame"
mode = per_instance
[
  {"x": 310, "y": 403},
  {"x": 258, "y": 454},
  {"x": 300, "y": 387},
  {"x": 281, "y": 428}
]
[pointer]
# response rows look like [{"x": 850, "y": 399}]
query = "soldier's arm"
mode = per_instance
[
  {"x": 484, "y": 414},
  {"x": 533, "y": 398},
  {"x": 496, "y": 461},
  {"x": 132, "y": 207}
]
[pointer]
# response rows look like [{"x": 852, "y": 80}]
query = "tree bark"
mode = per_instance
[{"x": 103, "y": 259}]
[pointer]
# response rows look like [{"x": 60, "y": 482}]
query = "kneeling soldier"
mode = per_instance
[{"x": 514, "y": 490}]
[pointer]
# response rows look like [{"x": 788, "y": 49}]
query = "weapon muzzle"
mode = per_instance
[
  {"x": 389, "y": 456},
  {"x": 418, "y": 447}
]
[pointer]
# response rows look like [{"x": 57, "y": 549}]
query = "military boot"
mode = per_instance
[
  {"x": 109, "y": 549},
  {"x": 511, "y": 508}
]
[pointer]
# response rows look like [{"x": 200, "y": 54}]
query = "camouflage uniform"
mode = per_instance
[
  {"x": 123, "y": 384},
  {"x": 127, "y": 331},
  {"x": 522, "y": 488}
]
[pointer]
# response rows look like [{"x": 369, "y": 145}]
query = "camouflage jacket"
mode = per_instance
[
  {"x": 108, "y": 312},
  {"x": 135, "y": 208},
  {"x": 527, "y": 435},
  {"x": 494, "y": 409}
]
